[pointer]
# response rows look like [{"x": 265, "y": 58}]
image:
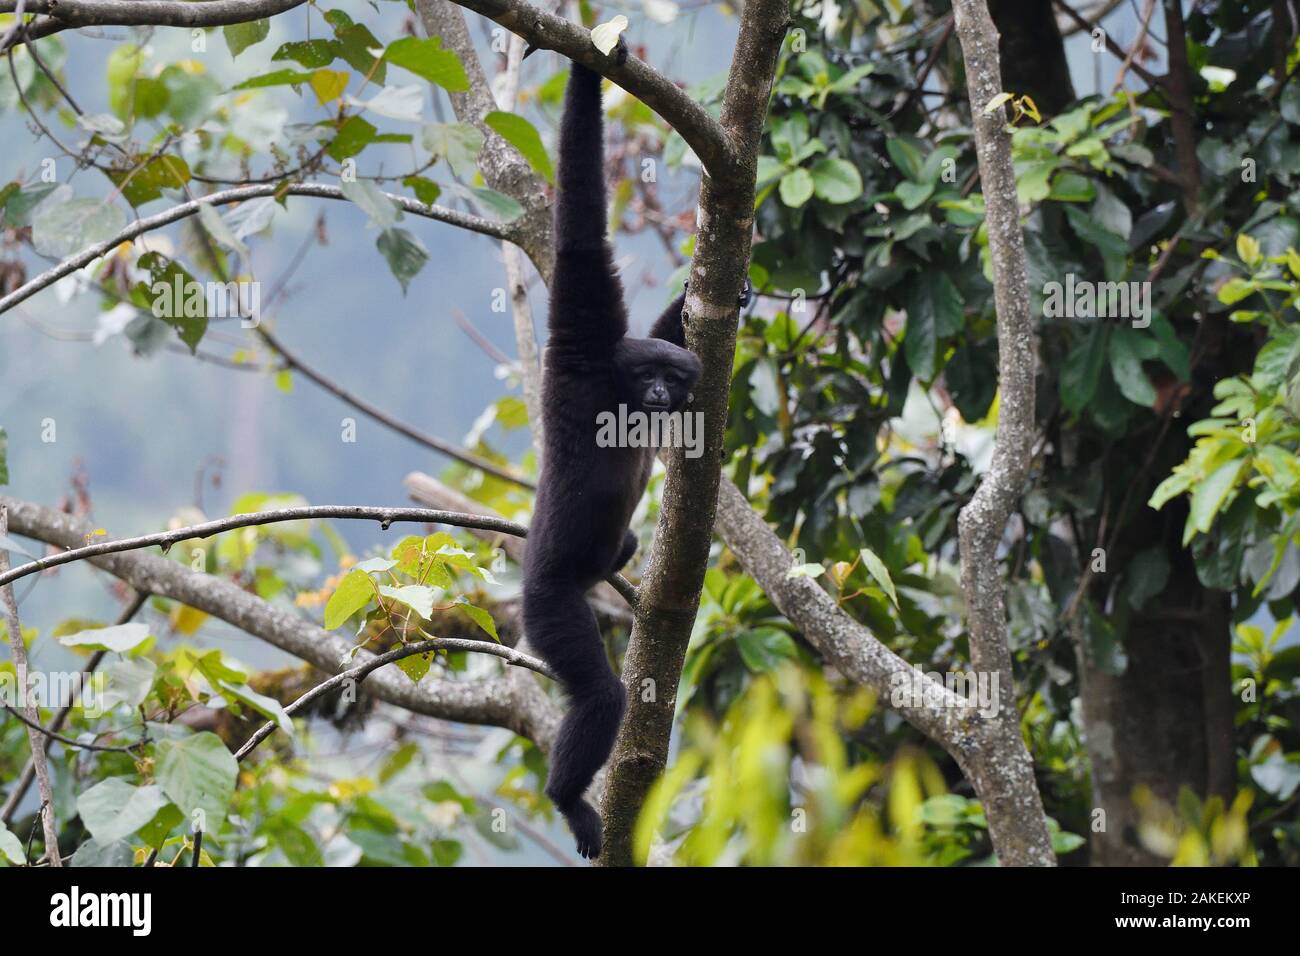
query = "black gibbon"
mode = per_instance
[{"x": 586, "y": 494}]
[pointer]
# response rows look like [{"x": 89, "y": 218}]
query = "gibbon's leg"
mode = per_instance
[
  {"x": 669, "y": 325},
  {"x": 587, "y": 308},
  {"x": 562, "y": 628}
]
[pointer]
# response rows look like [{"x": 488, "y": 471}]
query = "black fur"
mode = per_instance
[{"x": 586, "y": 494}]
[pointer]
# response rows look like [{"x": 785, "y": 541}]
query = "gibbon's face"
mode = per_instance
[{"x": 657, "y": 375}]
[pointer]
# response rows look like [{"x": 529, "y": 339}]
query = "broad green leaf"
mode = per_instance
[
  {"x": 876, "y": 568},
  {"x": 176, "y": 297},
  {"x": 310, "y": 53},
  {"x": 198, "y": 773},
  {"x": 274, "y": 78},
  {"x": 415, "y": 596},
  {"x": 487, "y": 200},
  {"x": 373, "y": 201},
  {"x": 62, "y": 226},
  {"x": 240, "y": 36},
  {"x": 480, "y": 617},
  {"x": 764, "y": 648},
  {"x": 11, "y": 848},
  {"x": 796, "y": 187},
  {"x": 397, "y": 102},
  {"x": 523, "y": 136},
  {"x": 836, "y": 181},
  {"x": 354, "y": 135},
  {"x": 118, "y": 637},
  {"x": 1082, "y": 369},
  {"x": 114, "y": 809},
  {"x": 127, "y": 681},
  {"x": 426, "y": 58},
  {"x": 1211, "y": 496},
  {"x": 268, "y": 707},
  {"x": 1126, "y": 367},
  {"x": 354, "y": 592},
  {"x": 806, "y": 571},
  {"x": 404, "y": 253},
  {"x": 913, "y": 194},
  {"x": 458, "y": 143}
]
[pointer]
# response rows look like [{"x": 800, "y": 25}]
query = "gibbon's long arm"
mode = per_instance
[
  {"x": 587, "y": 310},
  {"x": 669, "y": 325}
]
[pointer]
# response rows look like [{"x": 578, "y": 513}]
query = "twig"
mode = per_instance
[
  {"x": 358, "y": 673},
  {"x": 29, "y": 770},
  {"x": 166, "y": 217},
  {"x": 1143, "y": 25},
  {"x": 1147, "y": 76},
  {"x": 385, "y": 517},
  {"x": 19, "y": 652},
  {"x": 68, "y": 741}
]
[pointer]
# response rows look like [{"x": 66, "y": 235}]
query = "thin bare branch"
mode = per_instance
[
  {"x": 18, "y": 650},
  {"x": 358, "y": 673},
  {"x": 513, "y": 700},
  {"x": 68, "y": 266},
  {"x": 29, "y": 770}
]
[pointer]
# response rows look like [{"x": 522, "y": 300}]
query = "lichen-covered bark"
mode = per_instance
[
  {"x": 518, "y": 704},
  {"x": 1004, "y": 777}
]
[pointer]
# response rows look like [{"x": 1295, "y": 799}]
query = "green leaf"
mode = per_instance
[
  {"x": 523, "y": 136},
  {"x": 764, "y": 648},
  {"x": 188, "y": 316},
  {"x": 876, "y": 568},
  {"x": 1082, "y": 369},
  {"x": 404, "y": 253},
  {"x": 354, "y": 592},
  {"x": 426, "y": 58},
  {"x": 123, "y": 64},
  {"x": 11, "y": 848},
  {"x": 198, "y": 773},
  {"x": 1126, "y": 367},
  {"x": 934, "y": 294},
  {"x": 1212, "y": 495},
  {"x": 62, "y": 226},
  {"x": 502, "y": 206},
  {"x": 415, "y": 596},
  {"x": 373, "y": 201},
  {"x": 397, "y": 102},
  {"x": 310, "y": 53},
  {"x": 913, "y": 194},
  {"x": 114, "y": 809},
  {"x": 127, "y": 681},
  {"x": 480, "y": 617},
  {"x": 240, "y": 36},
  {"x": 274, "y": 78},
  {"x": 140, "y": 185},
  {"x": 354, "y": 135},
  {"x": 836, "y": 181},
  {"x": 426, "y": 190},
  {"x": 796, "y": 187},
  {"x": 4, "y": 459},
  {"x": 906, "y": 157},
  {"x": 119, "y": 637},
  {"x": 458, "y": 143}
]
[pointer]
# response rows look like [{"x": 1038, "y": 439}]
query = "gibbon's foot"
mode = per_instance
[
  {"x": 584, "y": 822},
  {"x": 746, "y": 292}
]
